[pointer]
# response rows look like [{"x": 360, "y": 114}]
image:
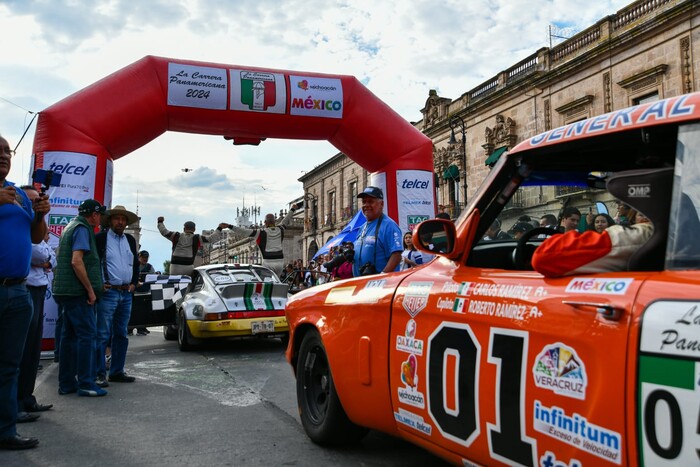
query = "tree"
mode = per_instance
[{"x": 166, "y": 266}]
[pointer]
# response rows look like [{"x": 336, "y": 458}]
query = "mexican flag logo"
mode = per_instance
[{"x": 258, "y": 90}]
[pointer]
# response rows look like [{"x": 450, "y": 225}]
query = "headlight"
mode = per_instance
[{"x": 198, "y": 310}]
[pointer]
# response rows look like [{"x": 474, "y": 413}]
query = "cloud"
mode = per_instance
[{"x": 203, "y": 177}]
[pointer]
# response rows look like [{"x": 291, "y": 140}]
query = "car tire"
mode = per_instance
[
  {"x": 169, "y": 332},
  {"x": 322, "y": 415},
  {"x": 185, "y": 341}
]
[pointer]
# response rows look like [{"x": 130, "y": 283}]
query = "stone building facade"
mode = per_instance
[
  {"x": 330, "y": 200},
  {"x": 643, "y": 52}
]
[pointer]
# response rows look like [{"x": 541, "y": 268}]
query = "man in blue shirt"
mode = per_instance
[
  {"x": 120, "y": 267},
  {"x": 379, "y": 245},
  {"x": 21, "y": 224}
]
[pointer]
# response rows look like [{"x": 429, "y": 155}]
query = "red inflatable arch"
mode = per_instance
[{"x": 81, "y": 135}]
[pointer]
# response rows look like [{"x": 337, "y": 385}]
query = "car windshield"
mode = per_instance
[{"x": 567, "y": 187}]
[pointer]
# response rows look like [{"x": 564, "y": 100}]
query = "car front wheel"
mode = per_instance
[
  {"x": 322, "y": 414},
  {"x": 185, "y": 340}
]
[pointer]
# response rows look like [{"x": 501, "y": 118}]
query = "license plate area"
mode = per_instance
[{"x": 258, "y": 327}]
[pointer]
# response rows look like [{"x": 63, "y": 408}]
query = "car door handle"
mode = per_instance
[{"x": 606, "y": 310}]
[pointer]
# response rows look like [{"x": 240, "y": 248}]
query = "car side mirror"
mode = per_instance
[{"x": 435, "y": 236}]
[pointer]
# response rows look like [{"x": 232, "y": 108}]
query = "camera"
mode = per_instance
[{"x": 368, "y": 269}]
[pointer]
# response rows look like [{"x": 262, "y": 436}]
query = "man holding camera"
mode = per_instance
[
  {"x": 378, "y": 247},
  {"x": 23, "y": 224}
]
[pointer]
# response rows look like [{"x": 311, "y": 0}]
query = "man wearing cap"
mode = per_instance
[
  {"x": 22, "y": 224},
  {"x": 269, "y": 239},
  {"x": 120, "y": 268},
  {"x": 186, "y": 245},
  {"x": 77, "y": 284},
  {"x": 379, "y": 246}
]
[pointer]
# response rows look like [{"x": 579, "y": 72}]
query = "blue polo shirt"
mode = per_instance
[
  {"x": 15, "y": 236},
  {"x": 387, "y": 241}
]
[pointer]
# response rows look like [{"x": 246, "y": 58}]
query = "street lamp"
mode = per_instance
[{"x": 454, "y": 122}]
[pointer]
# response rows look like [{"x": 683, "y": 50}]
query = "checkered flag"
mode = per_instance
[
  {"x": 166, "y": 290},
  {"x": 165, "y": 279}
]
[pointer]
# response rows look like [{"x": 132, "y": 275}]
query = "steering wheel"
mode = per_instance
[{"x": 520, "y": 257}]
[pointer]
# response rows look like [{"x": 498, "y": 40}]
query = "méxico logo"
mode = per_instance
[
  {"x": 559, "y": 369},
  {"x": 58, "y": 222},
  {"x": 416, "y": 297}
]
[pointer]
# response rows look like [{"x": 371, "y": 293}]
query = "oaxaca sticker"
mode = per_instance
[
  {"x": 416, "y": 297},
  {"x": 408, "y": 342},
  {"x": 559, "y": 369}
]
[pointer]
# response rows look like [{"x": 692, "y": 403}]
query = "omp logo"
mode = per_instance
[
  {"x": 69, "y": 169},
  {"x": 599, "y": 286},
  {"x": 639, "y": 191}
]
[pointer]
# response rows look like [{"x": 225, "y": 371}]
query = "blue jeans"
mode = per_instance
[
  {"x": 32, "y": 349},
  {"x": 77, "y": 352},
  {"x": 15, "y": 315},
  {"x": 113, "y": 313}
]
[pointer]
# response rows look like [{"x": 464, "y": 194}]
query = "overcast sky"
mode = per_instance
[{"x": 398, "y": 49}]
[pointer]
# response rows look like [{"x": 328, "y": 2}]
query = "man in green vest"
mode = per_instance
[{"x": 77, "y": 285}]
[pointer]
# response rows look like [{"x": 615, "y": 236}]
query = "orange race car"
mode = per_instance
[{"x": 484, "y": 361}]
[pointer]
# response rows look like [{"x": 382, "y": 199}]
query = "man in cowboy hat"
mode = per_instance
[{"x": 120, "y": 268}]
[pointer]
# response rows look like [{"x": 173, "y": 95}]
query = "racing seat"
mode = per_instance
[{"x": 649, "y": 192}]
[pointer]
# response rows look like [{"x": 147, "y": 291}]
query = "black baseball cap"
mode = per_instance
[
  {"x": 372, "y": 191},
  {"x": 190, "y": 225},
  {"x": 144, "y": 253},
  {"x": 90, "y": 206}
]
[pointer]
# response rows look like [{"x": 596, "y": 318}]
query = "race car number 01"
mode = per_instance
[
  {"x": 262, "y": 326},
  {"x": 507, "y": 350}
]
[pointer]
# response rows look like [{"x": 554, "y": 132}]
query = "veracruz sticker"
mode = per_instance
[{"x": 559, "y": 369}]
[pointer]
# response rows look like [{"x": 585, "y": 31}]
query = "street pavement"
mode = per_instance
[{"x": 230, "y": 403}]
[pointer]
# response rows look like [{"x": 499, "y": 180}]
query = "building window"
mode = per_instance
[
  {"x": 352, "y": 194},
  {"x": 645, "y": 86},
  {"x": 330, "y": 214},
  {"x": 651, "y": 97}
]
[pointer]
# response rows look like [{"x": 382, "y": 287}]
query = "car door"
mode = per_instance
[{"x": 507, "y": 367}]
